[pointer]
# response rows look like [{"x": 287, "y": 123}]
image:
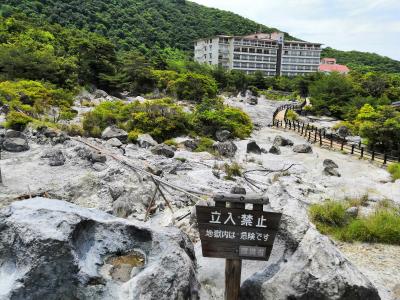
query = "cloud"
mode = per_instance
[{"x": 364, "y": 25}]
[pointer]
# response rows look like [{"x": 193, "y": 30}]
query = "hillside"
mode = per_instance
[
  {"x": 364, "y": 61},
  {"x": 156, "y": 24},
  {"x": 139, "y": 23}
]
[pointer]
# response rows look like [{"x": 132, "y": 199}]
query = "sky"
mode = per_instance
[{"x": 363, "y": 25}]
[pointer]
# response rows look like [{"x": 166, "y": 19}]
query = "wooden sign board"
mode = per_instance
[{"x": 237, "y": 233}]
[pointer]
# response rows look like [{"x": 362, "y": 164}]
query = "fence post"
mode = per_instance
[
  {"x": 285, "y": 123},
  {"x": 331, "y": 137},
  {"x": 320, "y": 137},
  {"x": 385, "y": 159},
  {"x": 362, "y": 152},
  {"x": 290, "y": 124},
  {"x": 298, "y": 126},
  {"x": 352, "y": 149},
  {"x": 302, "y": 129},
  {"x": 315, "y": 135},
  {"x": 373, "y": 153},
  {"x": 342, "y": 146},
  {"x": 309, "y": 136}
]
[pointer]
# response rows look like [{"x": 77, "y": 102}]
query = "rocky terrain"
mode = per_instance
[{"x": 74, "y": 241}]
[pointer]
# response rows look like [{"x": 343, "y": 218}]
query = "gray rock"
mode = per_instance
[
  {"x": 97, "y": 157},
  {"x": 352, "y": 212},
  {"x": 114, "y": 132},
  {"x": 331, "y": 172},
  {"x": 15, "y": 141},
  {"x": 163, "y": 150},
  {"x": 99, "y": 167},
  {"x": 57, "y": 158},
  {"x": 315, "y": 270},
  {"x": 223, "y": 135},
  {"x": 275, "y": 150},
  {"x": 252, "y": 147},
  {"x": 253, "y": 100},
  {"x": 282, "y": 142},
  {"x": 61, "y": 251},
  {"x": 227, "y": 149},
  {"x": 343, "y": 131},
  {"x": 302, "y": 148},
  {"x": 114, "y": 142},
  {"x": 100, "y": 94},
  {"x": 146, "y": 141},
  {"x": 329, "y": 163},
  {"x": 191, "y": 144}
]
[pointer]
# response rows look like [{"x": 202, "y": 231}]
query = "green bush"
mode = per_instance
[
  {"x": 232, "y": 170},
  {"x": 17, "y": 120},
  {"x": 162, "y": 119},
  {"x": 381, "y": 226},
  {"x": 205, "y": 145},
  {"x": 133, "y": 135},
  {"x": 394, "y": 170},
  {"x": 191, "y": 86},
  {"x": 332, "y": 213},
  {"x": 292, "y": 115},
  {"x": 212, "y": 115}
]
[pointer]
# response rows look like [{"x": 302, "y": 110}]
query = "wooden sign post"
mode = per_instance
[{"x": 228, "y": 230}]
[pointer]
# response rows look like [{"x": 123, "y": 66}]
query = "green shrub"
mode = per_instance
[
  {"x": 381, "y": 226},
  {"x": 292, "y": 115},
  {"x": 162, "y": 119},
  {"x": 394, "y": 170},
  {"x": 170, "y": 142},
  {"x": 73, "y": 129},
  {"x": 205, "y": 145},
  {"x": 133, "y": 135},
  {"x": 17, "y": 120},
  {"x": 332, "y": 213},
  {"x": 191, "y": 86},
  {"x": 212, "y": 115},
  {"x": 232, "y": 170}
]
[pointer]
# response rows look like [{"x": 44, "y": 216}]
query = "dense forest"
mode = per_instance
[{"x": 151, "y": 25}]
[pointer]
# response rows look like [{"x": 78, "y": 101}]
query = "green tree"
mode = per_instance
[{"x": 192, "y": 86}]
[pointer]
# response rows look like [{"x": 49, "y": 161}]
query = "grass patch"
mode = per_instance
[
  {"x": 381, "y": 226},
  {"x": 205, "y": 145},
  {"x": 232, "y": 170},
  {"x": 292, "y": 115},
  {"x": 394, "y": 170}
]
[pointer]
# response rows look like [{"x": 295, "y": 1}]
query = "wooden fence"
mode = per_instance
[{"x": 320, "y": 136}]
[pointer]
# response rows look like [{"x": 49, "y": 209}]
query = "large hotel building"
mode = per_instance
[{"x": 269, "y": 53}]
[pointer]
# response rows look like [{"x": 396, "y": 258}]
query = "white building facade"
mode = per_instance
[{"x": 268, "y": 53}]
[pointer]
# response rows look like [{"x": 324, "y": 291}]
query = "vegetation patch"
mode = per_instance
[
  {"x": 394, "y": 170},
  {"x": 380, "y": 226}
]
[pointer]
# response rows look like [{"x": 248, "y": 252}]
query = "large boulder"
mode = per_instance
[
  {"x": 227, "y": 149},
  {"x": 146, "y": 141},
  {"x": 15, "y": 141},
  {"x": 302, "y": 148},
  {"x": 56, "y": 158},
  {"x": 163, "y": 150},
  {"x": 315, "y": 270},
  {"x": 252, "y": 147},
  {"x": 51, "y": 249},
  {"x": 223, "y": 135},
  {"x": 282, "y": 142},
  {"x": 331, "y": 172},
  {"x": 275, "y": 150},
  {"x": 114, "y": 132},
  {"x": 329, "y": 163}
]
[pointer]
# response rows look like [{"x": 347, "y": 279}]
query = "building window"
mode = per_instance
[
  {"x": 245, "y": 50},
  {"x": 266, "y": 51},
  {"x": 286, "y": 52}
]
